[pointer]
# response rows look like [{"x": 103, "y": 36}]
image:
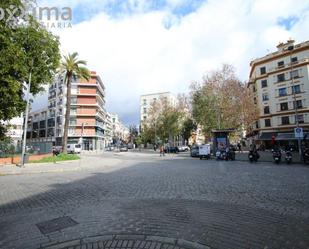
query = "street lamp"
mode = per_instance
[
  {"x": 26, "y": 117},
  {"x": 291, "y": 48}
]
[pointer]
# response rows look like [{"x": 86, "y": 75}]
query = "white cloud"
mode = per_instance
[{"x": 136, "y": 54}]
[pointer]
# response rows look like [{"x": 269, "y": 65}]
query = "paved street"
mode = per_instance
[{"x": 137, "y": 200}]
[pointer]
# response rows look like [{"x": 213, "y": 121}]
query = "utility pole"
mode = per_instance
[
  {"x": 26, "y": 118},
  {"x": 291, "y": 48}
]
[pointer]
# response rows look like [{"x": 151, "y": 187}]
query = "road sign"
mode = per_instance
[{"x": 299, "y": 133}]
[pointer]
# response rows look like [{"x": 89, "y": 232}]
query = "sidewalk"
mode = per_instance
[{"x": 85, "y": 163}]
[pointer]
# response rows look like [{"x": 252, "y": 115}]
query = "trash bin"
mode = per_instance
[{"x": 26, "y": 158}]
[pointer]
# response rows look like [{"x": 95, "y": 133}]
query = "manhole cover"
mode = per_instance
[{"x": 57, "y": 224}]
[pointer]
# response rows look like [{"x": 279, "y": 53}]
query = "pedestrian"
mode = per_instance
[
  {"x": 162, "y": 153},
  {"x": 239, "y": 147}
]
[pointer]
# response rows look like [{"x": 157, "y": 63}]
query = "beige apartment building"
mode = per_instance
[
  {"x": 280, "y": 83},
  {"x": 148, "y": 99}
]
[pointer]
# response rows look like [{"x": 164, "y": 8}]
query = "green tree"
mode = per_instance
[
  {"x": 23, "y": 48},
  {"x": 71, "y": 67},
  {"x": 222, "y": 101},
  {"x": 187, "y": 128}
]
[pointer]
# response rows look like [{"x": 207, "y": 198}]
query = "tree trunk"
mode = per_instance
[{"x": 67, "y": 115}]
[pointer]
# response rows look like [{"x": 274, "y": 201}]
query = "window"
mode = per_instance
[
  {"x": 285, "y": 120},
  {"x": 51, "y": 132},
  {"x": 280, "y": 77},
  {"x": 73, "y": 111},
  {"x": 265, "y": 96},
  {"x": 72, "y": 121},
  {"x": 263, "y": 70},
  {"x": 35, "y": 126},
  {"x": 254, "y": 89},
  {"x": 145, "y": 110},
  {"x": 267, "y": 122},
  {"x": 296, "y": 89},
  {"x": 51, "y": 122},
  {"x": 294, "y": 74},
  {"x": 254, "y": 100},
  {"x": 284, "y": 106},
  {"x": 73, "y": 100},
  {"x": 300, "y": 118},
  {"x": 42, "y": 133},
  {"x": 34, "y": 134},
  {"x": 282, "y": 92},
  {"x": 298, "y": 104},
  {"x": 144, "y": 117},
  {"x": 294, "y": 59},
  {"x": 280, "y": 63},
  {"x": 42, "y": 124},
  {"x": 264, "y": 83},
  {"x": 145, "y": 101},
  {"x": 266, "y": 110}
]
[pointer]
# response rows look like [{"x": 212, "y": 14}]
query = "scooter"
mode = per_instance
[
  {"x": 288, "y": 157},
  {"x": 306, "y": 155},
  {"x": 253, "y": 156},
  {"x": 276, "y": 156},
  {"x": 221, "y": 155}
]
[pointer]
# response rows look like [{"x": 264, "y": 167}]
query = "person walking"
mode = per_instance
[{"x": 162, "y": 153}]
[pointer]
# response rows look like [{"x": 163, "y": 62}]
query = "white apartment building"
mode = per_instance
[
  {"x": 119, "y": 130},
  {"x": 148, "y": 99},
  {"x": 15, "y": 130},
  {"x": 280, "y": 83}
]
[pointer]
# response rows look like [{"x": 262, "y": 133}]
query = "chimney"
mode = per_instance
[{"x": 286, "y": 46}]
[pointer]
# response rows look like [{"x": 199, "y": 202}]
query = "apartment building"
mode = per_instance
[
  {"x": 119, "y": 130},
  {"x": 15, "y": 130},
  {"x": 148, "y": 99},
  {"x": 87, "y": 114},
  {"x": 280, "y": 84}
]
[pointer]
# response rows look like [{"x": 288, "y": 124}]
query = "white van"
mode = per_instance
[
  {"x": 204, "y": 151},
  {"x": 74, "y": 148}
]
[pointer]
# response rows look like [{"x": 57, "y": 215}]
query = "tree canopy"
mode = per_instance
[
  {"x": 222, "y": 101},
  {"x": 25, "y": 47}
]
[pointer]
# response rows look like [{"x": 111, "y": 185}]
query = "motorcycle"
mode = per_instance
[
  {"x": 276, "y": 156},
  {"x": 306, "y": 155},
  {"x": 288, "y": 157},
  {"x": 221, "y": 155},
  {"x": 253, "y": 156},
  {"x": 230, "y": 155}
]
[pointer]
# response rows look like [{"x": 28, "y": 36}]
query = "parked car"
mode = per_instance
[
  {"x": 183, "y": 148},
  {"x": 171, "y": 149},
  {"x": 123, "y": 148},
  {"x": 74, "y": 148},
  {"x": 194, "y": 151}
]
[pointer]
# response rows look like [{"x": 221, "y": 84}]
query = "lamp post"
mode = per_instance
[
  {"x": 291, "y": 48},
  {"x": 26, "y": 117}
]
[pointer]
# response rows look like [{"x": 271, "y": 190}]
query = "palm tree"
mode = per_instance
[{"x": 71, "y": 67}]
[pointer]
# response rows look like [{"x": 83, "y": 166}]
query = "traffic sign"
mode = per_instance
[{"x": 299, "y": 133}]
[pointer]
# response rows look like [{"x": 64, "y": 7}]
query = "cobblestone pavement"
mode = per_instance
[{"x": 200, "y": 203}]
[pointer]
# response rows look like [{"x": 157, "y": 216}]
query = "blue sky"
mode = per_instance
[{"x": 144, "y": 46}]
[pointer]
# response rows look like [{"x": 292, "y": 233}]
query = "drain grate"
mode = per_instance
[{"x": 57, "y": 224}]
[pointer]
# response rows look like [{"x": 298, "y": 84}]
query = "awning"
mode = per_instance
[
  {"x": 267, "y": 136},
  {"x": 288, "y": 136}
]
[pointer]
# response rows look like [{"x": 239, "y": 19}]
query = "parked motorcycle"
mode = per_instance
[
  {"x": 221, "y": 155},
  {"x": 288, "y": 157},
  {"x": 230, "y": 155},
  {"x": 306, "y": 155},
  {"x": 253, "y": 156},
  {"x": 276, "y": 156}
]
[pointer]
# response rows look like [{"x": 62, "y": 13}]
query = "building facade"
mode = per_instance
[
  {"x": 88, "y": 116},
  {"x": 147, "y": 100},
  {"x": 280, "y": 85},
  {"x": 15, "y": 130},
  {"x": 119, "y": 130}
]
